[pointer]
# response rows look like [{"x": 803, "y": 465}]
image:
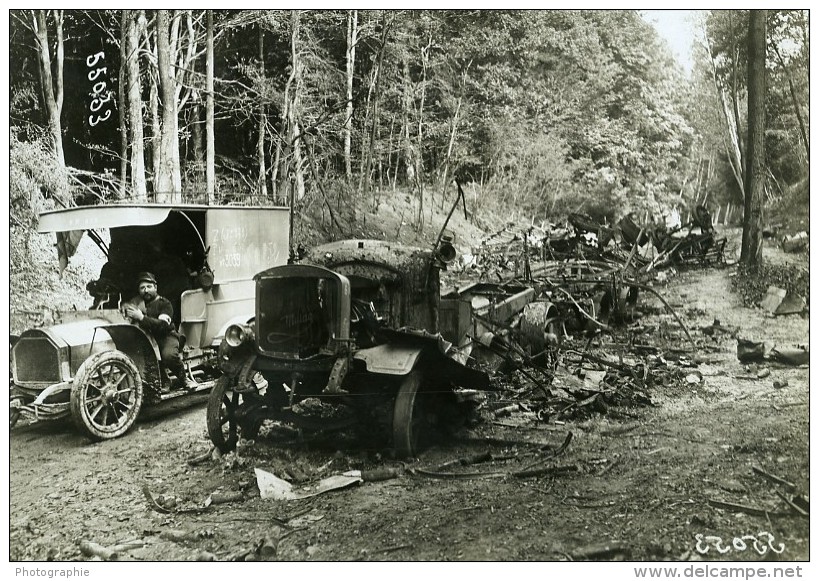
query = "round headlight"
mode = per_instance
[{"x": 235, "y": 335}]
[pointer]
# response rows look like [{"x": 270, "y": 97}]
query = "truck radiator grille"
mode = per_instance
[{"x": 36, "y": 359}]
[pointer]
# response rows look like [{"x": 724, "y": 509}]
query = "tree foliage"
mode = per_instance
[{"x": 553, "y": 111}]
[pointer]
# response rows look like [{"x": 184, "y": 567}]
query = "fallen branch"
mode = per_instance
[
  {"x": 92, "y": 549},
  {"x": 456, "y": 475},
  {"x": 196, "y": 460},
  {"x": 393, "y": 549},
  {"x": 500, "y": 441},
  {"x": 620, "y": 431},
  {"x": 128, "y": 545},
  {"x": 798, "y": 510},
  {"x": 152, "y": 501},
  {"x": 477, "y": 459},
  {"x": 177, "y": 535},
  {"x": 567, "y": 440},
  {"x": 751, "y": 510},
  {"x": 603, "y": 550},
  {"x": 665, "y": 302},
  {"x": 550, "y": 470},
  {"x": 790, "y": 486},
  {"x": 223, "y": 498}
]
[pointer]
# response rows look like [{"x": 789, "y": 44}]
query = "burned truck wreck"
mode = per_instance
[{"x": 358, "y": 325}]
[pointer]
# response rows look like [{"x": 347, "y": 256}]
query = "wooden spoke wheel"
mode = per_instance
[
  {"x": 232, "y": 414},
  {"x": 223, "y": 425},
  {"x": 106, "y": 396}
]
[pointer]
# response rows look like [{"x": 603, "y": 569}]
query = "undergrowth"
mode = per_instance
[{"x": 752, "y": 283}]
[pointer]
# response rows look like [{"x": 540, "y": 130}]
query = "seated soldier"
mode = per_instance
[
  {"x": 155, "y": 315},
  {"x": 173, "y": 273}
]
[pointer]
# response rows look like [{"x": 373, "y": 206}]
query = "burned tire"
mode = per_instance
[
  {"x": 411, "y": 429},
  {"x": 223, "y": 426},
  {"x": 106, "y": 396}
]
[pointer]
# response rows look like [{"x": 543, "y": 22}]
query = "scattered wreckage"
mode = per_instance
[
  {"x": 96, "y": 367},
  {"x": 363, "y": 326}
]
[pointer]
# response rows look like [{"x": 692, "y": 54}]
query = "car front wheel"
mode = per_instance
[{"x": 106, "y": 396}]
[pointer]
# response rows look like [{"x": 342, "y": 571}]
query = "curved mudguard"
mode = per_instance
[
  {"x": 390, "y": 359},
  {"x": 139, "y": 346},
  {"x": 400, "y": 356}
]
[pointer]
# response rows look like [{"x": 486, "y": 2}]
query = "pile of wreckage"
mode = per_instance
[
  {"x": 568, "y": 296},
  {"x": 633, "y": 247}
]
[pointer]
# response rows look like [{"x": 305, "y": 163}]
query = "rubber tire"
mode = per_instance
[
  {"x": 80, "y": 415},
  {"x": 219, "y": 413},
  {"x": 14, "y": 415},
  {"x": 408, "y": 421}
]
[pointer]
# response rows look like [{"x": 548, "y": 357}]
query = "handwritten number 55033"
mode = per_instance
[{"x": 99, "y": 92}]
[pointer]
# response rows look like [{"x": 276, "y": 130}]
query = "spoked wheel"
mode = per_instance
[
  {"x": 223, "y": 427},
  {"x": 230, "y": 415},
  {"x": 411, "y": 428},
  {"x": 106, "y": 396}
]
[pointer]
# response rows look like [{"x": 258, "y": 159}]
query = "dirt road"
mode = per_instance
[{"x": 635, "y": 483}]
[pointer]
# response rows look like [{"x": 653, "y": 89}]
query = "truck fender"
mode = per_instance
[
  {"x": 138, "y": 345},
  {"x": 389, "y": 358}
]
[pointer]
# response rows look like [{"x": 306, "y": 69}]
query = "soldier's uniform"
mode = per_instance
[{"x": 158, "y": 321}]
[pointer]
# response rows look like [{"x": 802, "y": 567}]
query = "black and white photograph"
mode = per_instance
[{"x": 409, "y": 285}]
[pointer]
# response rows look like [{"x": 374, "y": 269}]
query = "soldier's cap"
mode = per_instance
[{"x": 146, "y": 277}]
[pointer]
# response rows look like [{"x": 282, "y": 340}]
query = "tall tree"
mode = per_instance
[
  {"x": 210, "y": 156},
  {"x": 751, "y": 253},
  {"x": 260, "y": 149},
  {"x": 352, "y": 40},
  {"x": 292, "y": 159},
  {"x": 52, "y": 85},
  {"x": 168, "y": 188},
  {"x": 134, "y": 20}
]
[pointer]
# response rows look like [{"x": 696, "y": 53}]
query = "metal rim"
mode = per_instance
[{"x": 410, "y": 424}]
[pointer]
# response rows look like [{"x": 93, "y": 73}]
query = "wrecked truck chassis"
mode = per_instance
[{"x": 356, "y": 327}]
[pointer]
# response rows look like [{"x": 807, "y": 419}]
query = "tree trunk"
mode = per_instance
[
  {"x": 132, "y": 76},
  {"x": 167, "y": 190},
  {"x": 352, "y": 40},
  {"x": 735, "y": 85},
  {"x": 122, "y": 104},
  {"x": 797, "y": 108},
  {"x": 420, "y": 158},
  {"x": 732, "y": 143},
  {"x": 751, "y": 253},
  {"x": 198, "y": 139},
  {"x": 292, "y": 163},
  {"x": 210, "y": 172},
  {"x": 445, "y": 176},
  {"x": 52, "y": 88},
  {"x": 406, "y": 135},
  {"x": 262, "y": 126},
  {"x": 372, "y": 103}
]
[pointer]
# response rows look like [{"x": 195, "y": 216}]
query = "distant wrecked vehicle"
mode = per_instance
[
  {"x": 99, "y": 369},
  {"x": 360, "y": 326}
]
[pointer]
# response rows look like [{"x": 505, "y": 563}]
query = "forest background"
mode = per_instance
[{"x": 337, "y": 113}]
